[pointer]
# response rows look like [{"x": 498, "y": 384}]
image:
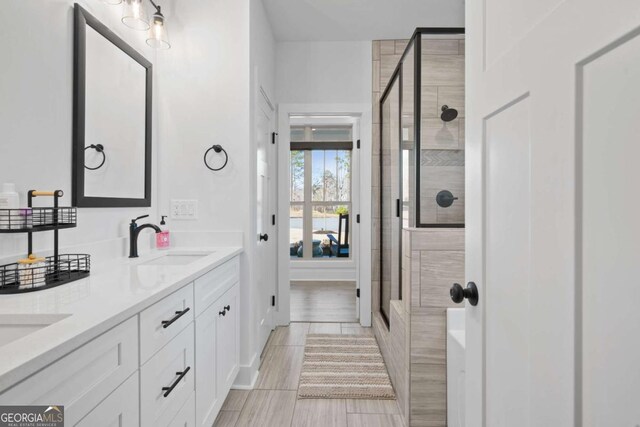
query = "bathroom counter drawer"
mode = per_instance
[
  {"x": 187, "y": 415},
  {"x": 214, "y": 284},
  {"x": 118, "y": 409},
  {"x": 166, "y": 369},
  {"x": 84, "y": 377},
  {"x": 164, "y": 320}
]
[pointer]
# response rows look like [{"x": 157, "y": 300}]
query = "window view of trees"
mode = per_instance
[
  {"x": 297, "y": 176},
  {"x": 331, "y": 175},
  {"x": 329, "y": 188}
]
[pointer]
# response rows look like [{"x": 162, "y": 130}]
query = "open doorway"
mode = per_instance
[{"x": 323, "y": 201}]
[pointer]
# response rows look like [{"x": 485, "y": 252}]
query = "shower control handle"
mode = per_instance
[
  {"x": 445, "y": 198},
  {"x": 458, "y": 293}
]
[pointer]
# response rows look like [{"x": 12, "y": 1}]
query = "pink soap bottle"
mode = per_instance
[{"x": 162, "y": 238}]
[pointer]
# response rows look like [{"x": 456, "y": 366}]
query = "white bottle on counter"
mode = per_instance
[{"x": 9, "y": 199}]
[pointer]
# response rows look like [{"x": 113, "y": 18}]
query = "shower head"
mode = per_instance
[{"x": 448, "y": 114}]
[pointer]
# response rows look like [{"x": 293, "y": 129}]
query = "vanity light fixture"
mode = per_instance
[
  {"x": 158, "y": 37},
  {"x": 134, "y": 15}
]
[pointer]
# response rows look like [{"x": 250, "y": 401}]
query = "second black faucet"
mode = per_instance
[{"x": 134, "y": 231}]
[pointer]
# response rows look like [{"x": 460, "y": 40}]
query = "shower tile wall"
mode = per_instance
[{"x": 442, "y": 144}]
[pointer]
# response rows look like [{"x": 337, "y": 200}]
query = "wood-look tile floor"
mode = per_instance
[
  {"x": 323, "y": 301},
  {"x": 274, "y": 403}
]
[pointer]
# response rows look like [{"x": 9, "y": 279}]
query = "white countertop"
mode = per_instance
[{"x": 113, "y": 292}]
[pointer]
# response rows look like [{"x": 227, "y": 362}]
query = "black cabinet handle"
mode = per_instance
[
  {"x": 168, "y": 390},
  {"x": 398, "y": 208},
  {"x": 179, "y": 314},
  {"x": 222, "y": 313},
  {"x": 264, "y": 237},
  {"x": 227, "y": 308},
  {"x": 458, "y": 293}
]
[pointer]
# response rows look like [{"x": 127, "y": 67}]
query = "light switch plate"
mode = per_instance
[{"x": 184, "y": 209}]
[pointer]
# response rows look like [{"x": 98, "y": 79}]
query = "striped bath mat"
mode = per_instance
[{"x": 343, "y": 367}]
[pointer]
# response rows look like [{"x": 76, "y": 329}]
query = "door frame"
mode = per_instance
[{"x": 363, "y": 157}]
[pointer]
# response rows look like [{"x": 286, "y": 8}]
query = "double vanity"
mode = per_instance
[{"x": 151, "y": 342}]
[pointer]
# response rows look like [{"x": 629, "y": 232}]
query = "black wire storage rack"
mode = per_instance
[{"x": 53, "y": 270}]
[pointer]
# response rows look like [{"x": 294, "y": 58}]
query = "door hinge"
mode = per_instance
[
  {"x": 358, "y": 144},
  {"x": 273, "y": 300},
  {"x": 358, "y": 293},
  {"x": 273, "y": 137},
  {"x": 358, "y": 218},
  {"x": 273, "y": 219}
]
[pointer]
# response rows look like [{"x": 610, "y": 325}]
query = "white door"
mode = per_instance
[
  {"x": 553, "y": 95},
  {"x": 266, "y": 250}
]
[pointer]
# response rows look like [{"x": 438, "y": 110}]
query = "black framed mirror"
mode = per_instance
[{"x": 111, "y": 119}]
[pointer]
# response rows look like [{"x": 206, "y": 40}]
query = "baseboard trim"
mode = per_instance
[{"x": 247, "y": 375}]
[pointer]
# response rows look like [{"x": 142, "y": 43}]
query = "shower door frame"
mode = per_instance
[
  {"x": 397, "y": 74},
  {"x": 416, "y": 43}
]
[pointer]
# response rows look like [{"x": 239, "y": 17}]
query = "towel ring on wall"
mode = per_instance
[
  {"x": 217, "y": 149},
  {"x": 100, "y": 149}
]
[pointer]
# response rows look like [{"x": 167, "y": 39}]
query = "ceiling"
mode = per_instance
[{"x": 351, "y": 20}]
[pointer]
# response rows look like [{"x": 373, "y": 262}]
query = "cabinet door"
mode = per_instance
[
  {"x": 227, "y": 340},
  {"x": 208, "y": 401},
  {"x": 120, "y": 408}
]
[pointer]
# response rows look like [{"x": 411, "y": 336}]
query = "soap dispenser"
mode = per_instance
[{"x": 162, "y": 238}]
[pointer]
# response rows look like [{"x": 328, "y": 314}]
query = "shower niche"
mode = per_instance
[{"x": 422, "y": 150}]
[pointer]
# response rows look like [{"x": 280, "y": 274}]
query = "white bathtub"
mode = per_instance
[{"x": 455, "y": 367}]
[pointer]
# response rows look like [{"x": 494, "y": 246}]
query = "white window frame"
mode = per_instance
[{"x": 308, "y": 204}]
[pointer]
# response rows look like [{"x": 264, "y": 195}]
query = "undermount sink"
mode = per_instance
[
  {"x": 16, "y": 326},
  {"x": 174, "y": 258}
]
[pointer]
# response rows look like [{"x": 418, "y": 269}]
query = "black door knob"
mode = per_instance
[
  {"x": 264, "y": 237},
  {"x": 458, "y": 293}
]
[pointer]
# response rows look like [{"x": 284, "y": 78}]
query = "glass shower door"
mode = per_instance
[{"x": 390, "y": 198}]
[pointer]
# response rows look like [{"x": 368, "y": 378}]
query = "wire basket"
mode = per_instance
[
  {"x": 37, "y": 219},
  {"x": 17, "y": 278}
]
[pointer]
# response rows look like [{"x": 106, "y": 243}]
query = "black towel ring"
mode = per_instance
[
  {"x": 100, "y": 149},
  {"x": 217, "y": 149}
]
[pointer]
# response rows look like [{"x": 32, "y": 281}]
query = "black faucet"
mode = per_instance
[{"x": 134, "y": 231}]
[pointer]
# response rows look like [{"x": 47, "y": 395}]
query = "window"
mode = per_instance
[{"x": 320, "y": 192}]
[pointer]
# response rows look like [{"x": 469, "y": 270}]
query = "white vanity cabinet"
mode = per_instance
[
  {"x": 217, "y": 339},
  {"x": 171, "y": 364},
  {"x": 82, "y": 379}
]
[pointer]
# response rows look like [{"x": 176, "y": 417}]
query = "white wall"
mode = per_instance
[
  {"x": 36, "y": 87},
  {"x": 263, "y": 49},
  {"x": 323, "y": 72},
  {"x": 204, "y": 100},
  {"x": 324, "y": 75}
]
